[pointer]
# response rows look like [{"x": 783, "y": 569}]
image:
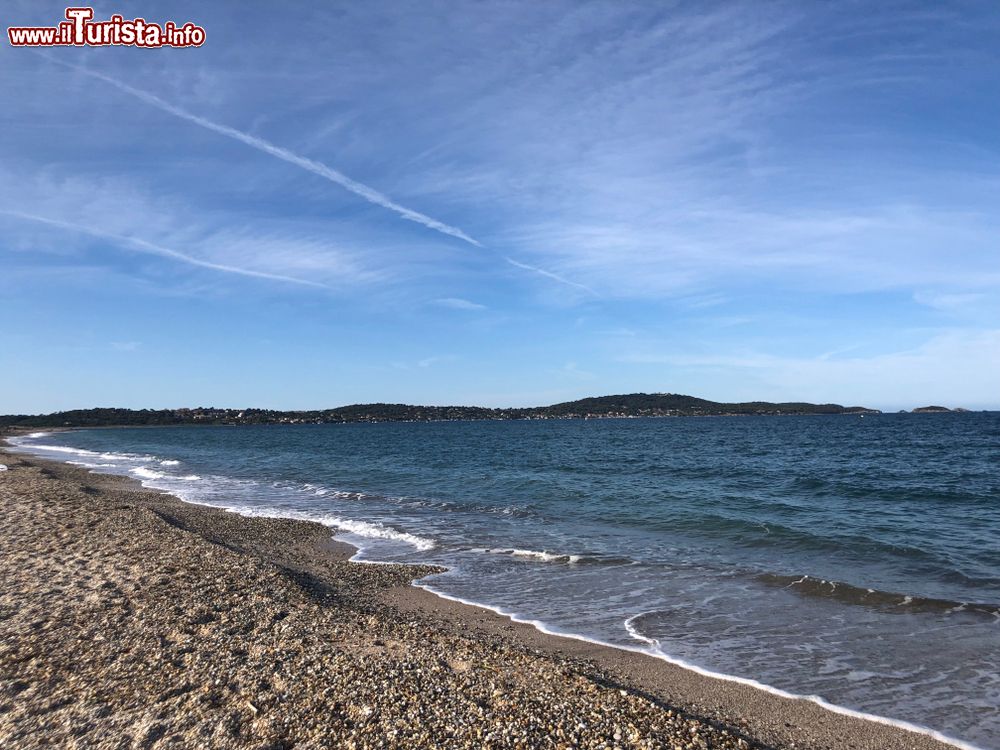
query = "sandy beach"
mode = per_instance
[{"x": 129, "y": 619}]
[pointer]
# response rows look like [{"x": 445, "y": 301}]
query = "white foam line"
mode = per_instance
[
  {"x": 364, "y": 529},
  {"x": 29, "y": 447},
  {"x": 536, "y": 555},
  {"x": 654, "y": 651},
  {"x": 58, "y": 449},
  {"x": 375, "y": 531}
]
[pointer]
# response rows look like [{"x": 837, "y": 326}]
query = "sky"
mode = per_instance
[{"x": 504, "y": 204}]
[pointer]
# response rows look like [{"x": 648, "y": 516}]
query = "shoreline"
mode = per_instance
[
  {"x": 741, "y": 708},
  {"x": 597, "y": 650}
]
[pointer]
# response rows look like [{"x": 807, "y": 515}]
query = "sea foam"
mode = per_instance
[
  {"x": 377, "y": 531},
  {"x": 142, "y": 471},
  {"x": 537, "y": 555}
]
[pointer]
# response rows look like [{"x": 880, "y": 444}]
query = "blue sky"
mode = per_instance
[{"x": 505, "y": 204}]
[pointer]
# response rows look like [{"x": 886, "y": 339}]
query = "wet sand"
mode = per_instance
[{"x": 131, "y": 619}]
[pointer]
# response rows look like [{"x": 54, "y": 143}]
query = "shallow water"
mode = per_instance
[{"x": 857, "y": 559}]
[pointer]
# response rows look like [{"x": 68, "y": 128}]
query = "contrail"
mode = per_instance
[
  {"x": 149, "y": 248},
  {"x": 549, "y": 274},
  {"x": 310, "y": 165}
]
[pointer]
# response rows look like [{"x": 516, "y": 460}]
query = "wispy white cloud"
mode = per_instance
[
  {"x": 948, "y": 301},
  {"x": 704, "y": 258},
  {"x": 126, "y": 346},
  {"x": 121, "y": 211},
  {"x": 310, "y": 165},
  {"x": 572, "y": 370},
  {"x": 424, "y": 363},
  {"x": 549, "y": 275},
  {"x": 140, "y": 245},
  {"x": 457, "y": 303},
  {"x": 692, "y": 150},
  {"x": 431, "y": 361}
]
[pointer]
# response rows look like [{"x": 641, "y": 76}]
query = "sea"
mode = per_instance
[{"x": 851, "y": 559}]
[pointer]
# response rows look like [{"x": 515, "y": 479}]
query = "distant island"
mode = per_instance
[
  {"x": 937, "y": 410},
  {"x": 600, "y": 407}
]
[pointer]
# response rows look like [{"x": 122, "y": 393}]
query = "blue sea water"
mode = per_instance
[{"x": 855, "y": 559}]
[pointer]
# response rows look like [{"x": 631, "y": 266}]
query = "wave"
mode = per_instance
[
  {"x": 142, "y": 471},
  {"x": 537, "y": 555},
  {"x": 146, "y": 473},
  {"x": 375, "y": 530},
  {"x": 84, "y": 452},
  {"x": 405, "y": 501},
  {"x": 457, "y": 506},
  {"x": 99, "y": 460},
  {"x": 754, "y": 533},
  {"x": 886, "y": 601},
  {"x": 555, "y": 557},
  {"x": 368, "y": 529},
  {"x": 62, "y": 449}
]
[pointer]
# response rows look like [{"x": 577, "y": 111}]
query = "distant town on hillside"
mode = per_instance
[{"x": 621, "y": 406}]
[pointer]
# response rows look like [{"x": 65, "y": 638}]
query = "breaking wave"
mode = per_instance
[{"x": 886, "y": 601}]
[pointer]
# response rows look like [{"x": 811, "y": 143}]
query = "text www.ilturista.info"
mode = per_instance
[{"x": 79, "y": 29}]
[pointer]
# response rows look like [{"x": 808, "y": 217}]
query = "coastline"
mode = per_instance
[{"x": 299, "y": 560}]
